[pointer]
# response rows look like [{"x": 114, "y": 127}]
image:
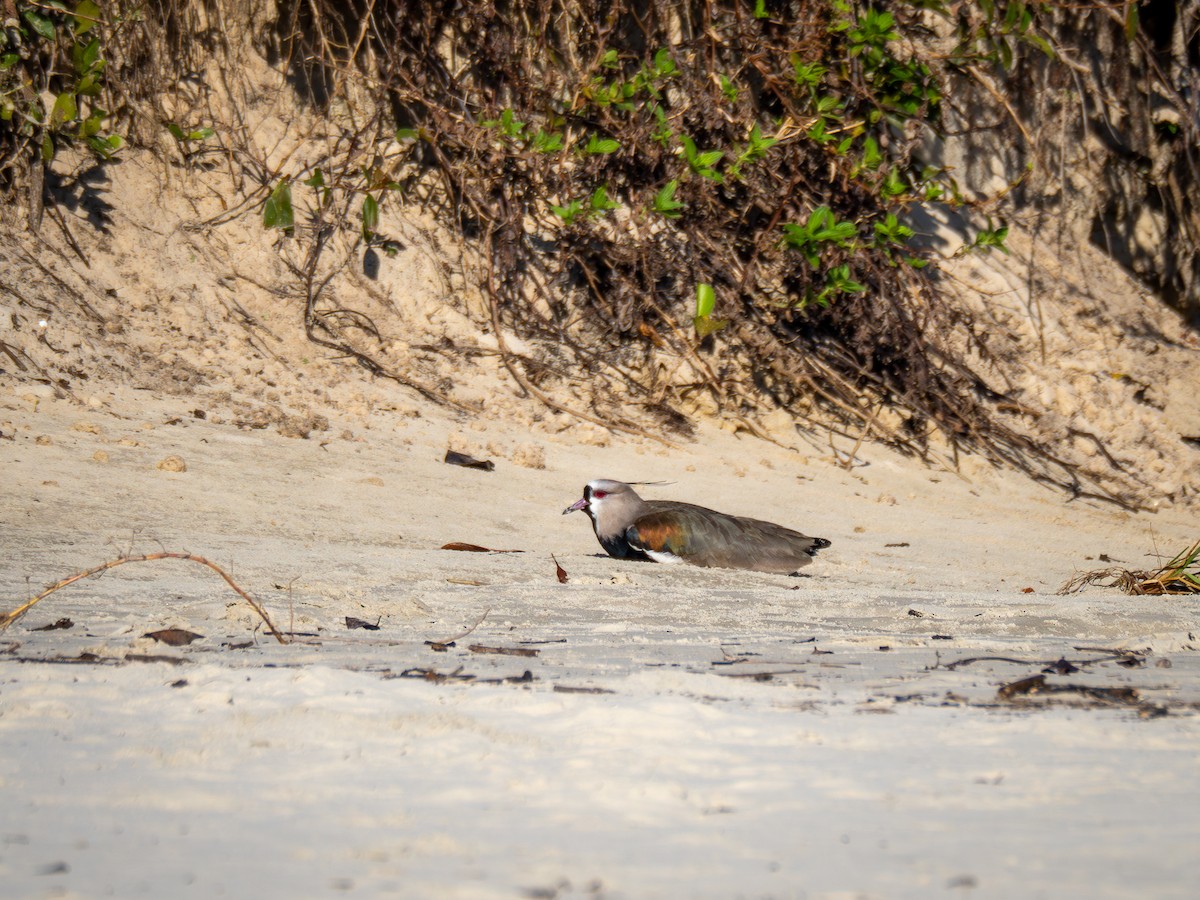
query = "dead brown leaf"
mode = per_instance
[
  {"x": 474, "y": 548},
  {"x": 174, "y": 637},
  {"x": 454, "y": 458}
]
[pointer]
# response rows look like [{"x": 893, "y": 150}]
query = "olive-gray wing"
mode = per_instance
[{"x": 704, "y": 537}]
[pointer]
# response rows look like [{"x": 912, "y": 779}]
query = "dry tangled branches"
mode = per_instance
[{"x": 608, "y": 160}]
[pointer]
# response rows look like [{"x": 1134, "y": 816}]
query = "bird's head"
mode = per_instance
[{"x": 599, "y": 493}]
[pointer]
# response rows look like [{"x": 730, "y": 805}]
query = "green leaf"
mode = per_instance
[
  {"x": 797, "y": 237},
  {"x": 760, "y": 143},
  {"x": 1131, "y": 20},
  {"x": 100, "y": 146},
  {"x": 85, "y": 56},
  {"x": 665, "y": 203},
  {"x": 807, "y": 75},
  {"x": 822, "y": 227},
  {"x": 65, "y": 110},
  {"x": 890, "y": 230},
  {"x": 1005, "y": 51},
  {"x": 568, "y": 213},
  {"x": 89, "y": 85},
  {"x": 893, "y": 185},
  {"x": 87, "y": 15},
  {"x": 988, "y": 239},
  {"x": 998, "y": 238},
  {"x": 663, "y": 64},
  {"x": 508, "y": 124},
  {"x": 597, "y": 144},
  {"x": 277, "y": 211},
  {"x": 706, "y": 300},
  {"x": 370, "y": 216},
  {"x": 601, "y": 202},
  {"x": 43, "y": 26},
  {"x": 839, "y": 280},
  {"x": 47, "y": 150},
  {"x": 701, "y": 163},
  {"x": 407, "y": 134},
  {"x": 871, "y": 155},
  {"x": 547, "y": 142},
  {"x": 729, "y": 89},
  {"x": 91, "y": 125},
  {"x": 1042, "y": 44},
  {"x": 1011, "y": 13},
  {"x": 196, "y": 134},
  {"x": 760, "y": 9},
  {"x": 316, "y": 181}
]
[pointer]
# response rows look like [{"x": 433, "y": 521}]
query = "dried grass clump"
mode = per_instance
[{"x": 1181, "y": 575}]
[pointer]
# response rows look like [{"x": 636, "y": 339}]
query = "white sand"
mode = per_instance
[{"x": 313, "y": 769}]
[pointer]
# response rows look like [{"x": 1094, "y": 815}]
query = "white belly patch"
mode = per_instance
[{"x": 661, "y": 556}]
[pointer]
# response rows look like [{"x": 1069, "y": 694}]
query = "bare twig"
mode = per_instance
[{"x": 8, "y": 618}]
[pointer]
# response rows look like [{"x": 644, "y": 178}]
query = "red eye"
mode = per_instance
[{"x": 599, "y": 495}]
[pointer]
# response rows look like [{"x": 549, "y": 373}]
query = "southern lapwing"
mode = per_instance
[{"x": 665, "y": 531}]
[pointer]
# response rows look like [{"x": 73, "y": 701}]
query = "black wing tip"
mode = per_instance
[{"x": 818, "y": 544}]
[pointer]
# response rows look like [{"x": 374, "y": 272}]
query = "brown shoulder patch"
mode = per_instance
[{"x": 653, "y": 533}]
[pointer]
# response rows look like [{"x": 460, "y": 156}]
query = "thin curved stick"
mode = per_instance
[{"x": 8, "y": 618}]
